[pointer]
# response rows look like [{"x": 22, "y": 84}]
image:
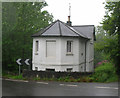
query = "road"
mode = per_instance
[{"x": 26, "y": 88}]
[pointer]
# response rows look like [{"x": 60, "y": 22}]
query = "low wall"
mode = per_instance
[{"x": 48, "y": 74}]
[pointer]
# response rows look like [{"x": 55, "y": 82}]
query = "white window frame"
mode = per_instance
[
  {"x": 36, "y": 47},
  {"x": 71, "y": 47}
]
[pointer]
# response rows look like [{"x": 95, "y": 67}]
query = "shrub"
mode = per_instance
[{"x": 105, "y": 73}]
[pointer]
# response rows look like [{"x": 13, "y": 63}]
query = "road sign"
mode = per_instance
[
  {"x": 23, "y": 61},
  {"x": 27, "y": 62},
  {"x": 18, "y": 61}
]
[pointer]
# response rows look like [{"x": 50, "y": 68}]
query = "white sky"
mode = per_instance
[{"x": 83, "y": 12}]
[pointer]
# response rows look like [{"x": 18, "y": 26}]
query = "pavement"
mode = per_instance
[{"x": 41, "y": 88}]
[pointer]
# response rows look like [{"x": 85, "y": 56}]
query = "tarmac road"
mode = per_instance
[{"x": 26, "y": 88}]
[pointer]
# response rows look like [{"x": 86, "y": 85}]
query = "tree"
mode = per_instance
[
  {"x": 111, "y": 24},
  {"x": 99, "y": 45},
  {"x": 20, "y": 21}
]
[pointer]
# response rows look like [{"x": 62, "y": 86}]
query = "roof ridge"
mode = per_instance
[
  {"x": 82, "y": 25},
  {"x": 60, "y": 28},
  {"x": 68, "y": 27}
]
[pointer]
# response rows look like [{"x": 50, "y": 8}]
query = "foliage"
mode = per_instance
[
  {"x": 37, "y": 78},
  {"x": 106, "y": 46},
  {"x": 111, "y": 20},
  {"x": 18, "y": 77},
  {"x": 105, "y": 73},
  {"x": 111, "y": 24},
  {"x": 20, "y": 21},
  {"x": 99, "y": 54}
]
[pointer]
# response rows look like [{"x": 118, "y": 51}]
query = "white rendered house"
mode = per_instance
[{"x": 62, "y": 47}]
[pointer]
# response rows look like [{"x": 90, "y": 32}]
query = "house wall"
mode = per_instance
[
  {"x": 62, "y": 61},
  {"x": 90, "y": 56},
  {"x": 41, "y": 60},
  {"x": 70, "y": 60},
  {"x": 81, "y": 54}
]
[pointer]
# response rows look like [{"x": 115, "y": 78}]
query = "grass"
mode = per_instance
[{"x": 18, "y": 77}]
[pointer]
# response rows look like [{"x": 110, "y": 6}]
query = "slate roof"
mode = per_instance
[
  {"x": 87, "y": 30},
  {"x": 58, "y": 28}
]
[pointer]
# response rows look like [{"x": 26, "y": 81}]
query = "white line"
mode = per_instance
[
  {"x": 16, "y": 80},
  {"x": 7, "y": 79},
  {"x": 71, "y": 85},
  {"x": 42, "y": 82},
  {"x": 101, "y": 87},
  {"x": 23, "y": 81},
  {"x": 115, "y": 88},
  {"x": 62, "y": 84},
  {"x": 67, "y": 85},
  {"x": 106, "y": 87}
]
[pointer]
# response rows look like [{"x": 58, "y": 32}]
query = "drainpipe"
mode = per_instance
[{"x": 85, "y": 56}]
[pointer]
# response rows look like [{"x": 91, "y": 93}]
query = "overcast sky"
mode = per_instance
[{"x": 83, "y": 12}]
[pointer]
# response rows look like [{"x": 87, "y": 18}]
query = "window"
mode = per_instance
[
  {"x": 51, "y": 48},
  {"x": 50, "y": 69},
  {"x": 69, "y": 69},
  {"x": 36, "y": 46},
  {"x": 69, "y": 47},
  {"x": 36, "y": 68}
]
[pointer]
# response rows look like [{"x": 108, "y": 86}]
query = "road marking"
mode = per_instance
[
  {"x": 42, "y": 82},
  {"x": 68, "y": 85},
  {"x": 106, "y": 87},
  {"x": 23, "y": 81},
  {"x": 7, "y": 79},
  {"x": 62, "y": 84},
  {"x": 17, "y": 80},
  {"x": 115, "y": 88},
  {"x": 71, "y": 85}
]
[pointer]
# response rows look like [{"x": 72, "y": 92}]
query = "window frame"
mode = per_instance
[
  {"x": 71, "y": 47},
  {"x": 36, "y": 47},
  {"x": 36, "y": 68}
]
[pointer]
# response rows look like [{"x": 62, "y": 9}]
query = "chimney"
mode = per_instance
[{"x": 69, "y": 22}]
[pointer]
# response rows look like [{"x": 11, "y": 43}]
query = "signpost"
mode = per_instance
[{"x": 21, "y": 62}]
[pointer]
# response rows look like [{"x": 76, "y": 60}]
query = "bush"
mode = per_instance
[{"x": 106, "y": 72}]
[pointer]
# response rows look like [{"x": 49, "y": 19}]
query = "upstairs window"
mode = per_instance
[{"x": 69, "y": 47}]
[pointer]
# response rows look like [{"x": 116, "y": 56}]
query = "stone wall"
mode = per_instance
[{"x": 52, "y": 74}]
